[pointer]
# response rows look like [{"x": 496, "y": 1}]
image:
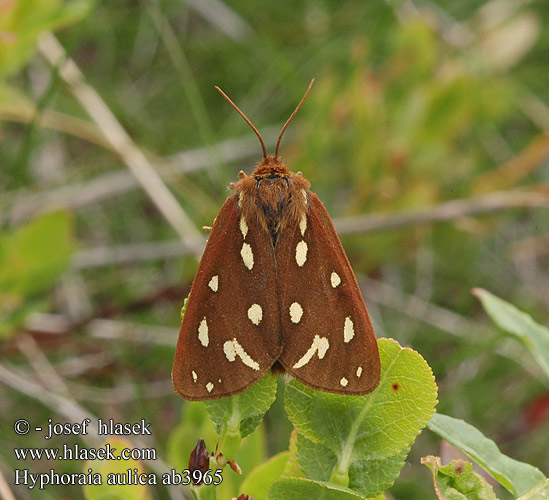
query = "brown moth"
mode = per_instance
[{"x": 274, "y": 286}]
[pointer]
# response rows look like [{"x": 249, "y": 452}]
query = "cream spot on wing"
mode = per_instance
[
  {"x": 301, "y": 253},
  {"x": 209, "y": 387},
  {"x": 195, "y": 376},
  {"x": 243, "y": 227},
  {"x": 214, "y": 283},
  {"x": 296, "y": 311},
  {"x": 255, "y": 314},
  {"x": 303, "y": 224},
  {"x": 247, "y": 256},
  {"x": 348, "y": 330},
  {"x": 359, "y": 371},
  {"x": 232, "y": 349},
  {"x": 203, "y": 333},
  {"x": 320, "y": 345},
  {"x": 228, "y": 349},
  {"x": 335, "y": 280},
  {"x": 219, "y": 380},
  {"x": 344, "y": 382}
]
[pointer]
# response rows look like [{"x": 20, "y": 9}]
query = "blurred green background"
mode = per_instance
[{"x": 416, "y": 104}]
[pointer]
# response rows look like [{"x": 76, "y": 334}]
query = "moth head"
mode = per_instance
[{"x": 271, "y": 166}]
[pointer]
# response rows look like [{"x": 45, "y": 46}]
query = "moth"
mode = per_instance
[{"x": 274, "y": 288}]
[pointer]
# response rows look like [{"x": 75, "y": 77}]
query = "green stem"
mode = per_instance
[
  {"x": 204, "y": 492},
  {"x": 230, "y": 437}
]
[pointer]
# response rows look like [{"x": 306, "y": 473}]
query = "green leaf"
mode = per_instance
[
  {"x": 353, "y": 434},
  {"x": 305, "y": 489},
  {"x": 22, "y": 22},
  {"x": 517, "y": 477},
  {"x": 520, "y": 324},
  {"x": 237, "y": 416},
  {"x": 31, "y": 260},
  {"x": 293, "y": 469},
  {"x": 258, "y": 482},
  {"x": 316, "y": 460},
  {"x": 117, "y": 468},
  {"x": 457, "y": 481},
  {"x": 371, "y": 477},
  {"x": 13, "y": 102},
  {"x": 32, "y": 257},
  {"x": 540, "y": 492}
]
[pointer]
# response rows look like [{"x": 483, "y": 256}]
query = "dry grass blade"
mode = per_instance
[{"x": 120, "y": 141}]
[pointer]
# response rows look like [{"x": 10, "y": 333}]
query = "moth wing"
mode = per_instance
[
  {"x": 230, "y": 335},
  {"x": 327, "y": 336}
]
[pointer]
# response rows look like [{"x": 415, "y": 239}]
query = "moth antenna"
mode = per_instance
[
  {"x": 292, "y": 116},
  {"x": 247, "y": 121}
]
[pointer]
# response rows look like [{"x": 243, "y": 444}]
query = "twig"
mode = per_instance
[
  {"x": 223, "y": 18},
  {"x": 518, "y": 167},
  {"x": 102, "y": 328},
  {"x": 56, "y": 121},
  {"x": 110, "y": 329},
  {"x": 530, "y": 248},
  {"x": 416, "y": 307},
  {"x": 449, "y": 210},
  {"x": 128, "y": 254},
  {"x": 123, "y": 393},
  {"x": 134, "y": 159},
  {"x": 18, "y": 207},
  {"x": 5, "y": 491},
  {"x": 41, "y": 364},
  {"x": 78, "y": 365},
  {"x": 61, "y": 404}
]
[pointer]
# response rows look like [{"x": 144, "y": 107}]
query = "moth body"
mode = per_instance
[
  {"x": 273, "y": 197},
  {"x": 274, "y": 287}
]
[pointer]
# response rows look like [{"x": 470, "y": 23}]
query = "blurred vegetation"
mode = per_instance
[{"x": 415, "y": 104}]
